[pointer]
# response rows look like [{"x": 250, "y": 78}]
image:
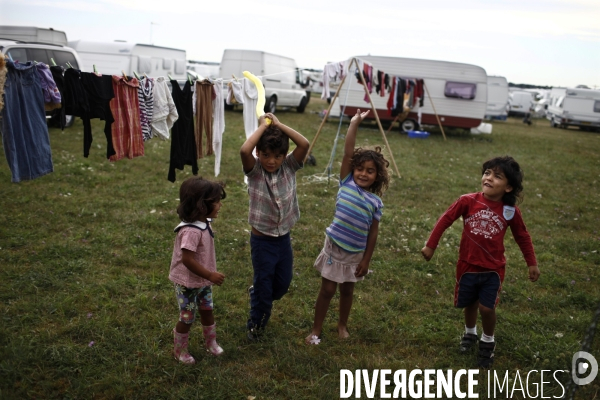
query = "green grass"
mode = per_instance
[{"x": 85, "y": 253}]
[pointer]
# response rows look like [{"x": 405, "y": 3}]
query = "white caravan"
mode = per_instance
[
  {"x": 280, "y": 76},
  {"x": 114, "y": 58},
  {"x": 497, "y": 98},
  {"x": 575, "y": 107},
  {"x": 520, "y": 102},
  {"x": 458, "y": 91},
  {"x": 204, "y": 69}
]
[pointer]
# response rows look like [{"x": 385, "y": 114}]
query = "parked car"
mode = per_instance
[{"x": 28, "y": 51}]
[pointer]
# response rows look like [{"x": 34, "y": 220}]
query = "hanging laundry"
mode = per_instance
[
  {"x": 164, "y": 113},
  {"x": 59, "y": 114},
  {"x": 125, "y": 107},
  {"x": 419, "y": 92},
  {"x": 183, "y": 141},
  {"x": 146, "y": 100},
  {"x": 332, "y": 72},
  {"x": 204, "y": 121},
  {"x": 99, "y": 91},
  {"x": 24, "y": 131},
  {"x": 245, "y": 93},
  {"x": 77, "y": 104},
  {"x": 52, "y": 98},
  {"x": 218, "y": 123}
]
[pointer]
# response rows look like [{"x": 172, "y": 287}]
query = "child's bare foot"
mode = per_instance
[
  {"x": 343, "y": 332},
  {"x": 312, "y": 338}
]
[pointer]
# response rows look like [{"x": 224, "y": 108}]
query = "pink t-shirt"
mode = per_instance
[{"x": 196, "y": 237}]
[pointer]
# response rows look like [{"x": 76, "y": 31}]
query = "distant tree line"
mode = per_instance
[{"x": 527, "y": 86}]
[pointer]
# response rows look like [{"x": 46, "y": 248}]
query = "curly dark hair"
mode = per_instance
[
  {"x": 383, "y": 178},
  {"x": 197, "y": 197},
  {"x": 275, "y": 140},
  {"x": 514, "y": 174}
]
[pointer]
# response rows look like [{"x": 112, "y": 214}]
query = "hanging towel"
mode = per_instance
[
  {"x": 125, "y": 107},
  {"x": 164, "y": 113}
]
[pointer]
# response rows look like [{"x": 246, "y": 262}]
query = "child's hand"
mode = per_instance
[
  {"x": 358, "y": 117},
  {"x": 273, "y": 118},
  {"x": 427, "y": 253},
  {"x": 217, "y": 278},
  {"x": 534, "y": 273},
  {"x": 361, "y": 269}
]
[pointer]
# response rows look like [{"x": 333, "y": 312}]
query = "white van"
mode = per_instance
[
  {"x": 280, "y": 75},
  {"x": 114, "y": 58},
  {"x": 575, "y": 107},
  {"x": 520, "y": 102},
  {"x": 458, "y": 92},
  {"x": 45, "y": 47}
]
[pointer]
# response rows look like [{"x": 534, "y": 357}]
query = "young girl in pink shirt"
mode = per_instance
[{"x": 193, "y": 265}]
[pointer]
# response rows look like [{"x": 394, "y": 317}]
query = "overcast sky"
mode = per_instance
[{"x": 550, "y": 42}]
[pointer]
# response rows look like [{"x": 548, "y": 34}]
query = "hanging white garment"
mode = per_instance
[
  {"x": 218, "y": 123},
  {"x": 164, "y": 111},
  {"x": 332, "y": 72},
  {"x": 245, "y": 93}
]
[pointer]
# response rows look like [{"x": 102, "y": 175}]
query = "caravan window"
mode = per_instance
[
  {"x": 460, "y": 90},
  {"x": 597, "y": 106},
  {"x": 144, "y": 65}
]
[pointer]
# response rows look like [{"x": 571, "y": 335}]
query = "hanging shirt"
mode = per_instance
[
  {"x": 164, "y": 113},
  {"x": 127, "y": 131},
  {"x": 245, "y": 93},
  {"x": 146, "y": 100},
  {"x": 183, "y": 142},
  {"x": 218, "y": 123},
  {"x": 99, "y": 92},
  {"x": 52, "y": 98},
  {"x": 24, "y": 131}
]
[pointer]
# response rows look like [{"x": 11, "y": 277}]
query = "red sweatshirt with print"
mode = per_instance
[{"x": 485, "y": 223}]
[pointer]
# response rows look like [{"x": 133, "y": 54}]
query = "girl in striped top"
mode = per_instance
[{"x": 351, "y": 237}]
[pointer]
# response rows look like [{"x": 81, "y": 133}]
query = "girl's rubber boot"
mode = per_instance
[
  {"x": 180, "y": 350},
  {"x": 210, "y": 340}
]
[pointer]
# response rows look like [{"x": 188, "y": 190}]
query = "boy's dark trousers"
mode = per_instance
[{"x": 272, "y": 260}]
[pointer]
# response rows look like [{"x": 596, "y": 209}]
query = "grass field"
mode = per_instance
[{"x": 87, "y": 308}]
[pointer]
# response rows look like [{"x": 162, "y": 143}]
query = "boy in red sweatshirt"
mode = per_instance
[{"x": 481, "y": 263}]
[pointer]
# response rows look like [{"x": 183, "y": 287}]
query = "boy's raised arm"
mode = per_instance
[
  {"x": 248, "y": 160},
  {"x": 350, "y": 141}
]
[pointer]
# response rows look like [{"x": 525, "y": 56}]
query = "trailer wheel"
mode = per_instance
[{"x": 408, "y": 125}]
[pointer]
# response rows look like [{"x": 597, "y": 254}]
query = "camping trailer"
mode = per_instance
[
  {"x": 280, "y": 76},
  {"x": 575, "y": 107},
  {"x": 458, "y": 91},
  {"x": 33, "y": 34},
  {"x": 114, "y": 58},
  {"x": 497, "y": 98}
]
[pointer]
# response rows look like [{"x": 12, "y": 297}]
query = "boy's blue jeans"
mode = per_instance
[{"x": 272, "y": 260}]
